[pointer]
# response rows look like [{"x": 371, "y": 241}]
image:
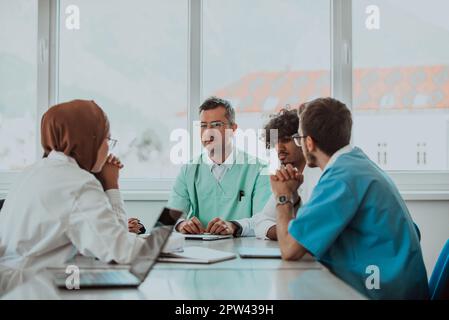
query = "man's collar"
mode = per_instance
[
  {"x": 230, "y": 160},
  {"x": 338, "y": 153}
]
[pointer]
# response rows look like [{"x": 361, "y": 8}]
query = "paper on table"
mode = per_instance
[
  {"x": 197, "y": 255},
  {"x": 174, "y": 244}
]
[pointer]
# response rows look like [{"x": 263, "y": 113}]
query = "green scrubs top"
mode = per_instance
[{"x": 242, "y": 191}]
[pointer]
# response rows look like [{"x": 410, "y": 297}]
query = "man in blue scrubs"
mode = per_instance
[{"x": 356, "y": 222}]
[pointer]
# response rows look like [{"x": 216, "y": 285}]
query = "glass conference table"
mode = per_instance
[{"x": 265, "y": 279}]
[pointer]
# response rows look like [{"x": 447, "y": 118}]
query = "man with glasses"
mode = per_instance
[
  {"x": 224, "y": 187},
  {"x": 355, "y": 222},
  {"x": 289, "y": 151}
]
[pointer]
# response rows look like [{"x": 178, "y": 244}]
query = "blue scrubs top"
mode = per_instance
[{"x": 355, "y": 219}]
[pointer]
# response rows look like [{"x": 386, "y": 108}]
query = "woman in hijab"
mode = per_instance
[{"x": 68, "y": 201}]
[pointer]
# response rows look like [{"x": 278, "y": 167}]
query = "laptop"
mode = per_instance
[
  {"x": 207, "y": 236},
  {"x": 134, "y": 275}
]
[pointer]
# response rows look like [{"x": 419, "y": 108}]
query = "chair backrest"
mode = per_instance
[
  {"x": 439, "y": 281},
  {"x": 417, "y": 231},
  {"x": 1, "y": 203}
]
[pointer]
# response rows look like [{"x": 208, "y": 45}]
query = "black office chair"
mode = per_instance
[{"x": 2, "y": 201}]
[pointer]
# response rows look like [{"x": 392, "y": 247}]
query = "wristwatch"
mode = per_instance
[{"x": 284, "y": 199}]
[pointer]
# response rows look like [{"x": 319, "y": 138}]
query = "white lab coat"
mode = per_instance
[
  {"x": 55, "y": 210},
  {"x": 260, "y": 223}
]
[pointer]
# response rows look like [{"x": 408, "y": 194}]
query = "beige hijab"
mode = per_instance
[{"x": 76, "y": 128}]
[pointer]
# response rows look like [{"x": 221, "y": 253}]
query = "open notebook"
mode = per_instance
[{"x": 197, "y": 255}]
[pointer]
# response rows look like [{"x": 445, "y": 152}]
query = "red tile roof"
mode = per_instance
[{"x": 415, "y": 87}]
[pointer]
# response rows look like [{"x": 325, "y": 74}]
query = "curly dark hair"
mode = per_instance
[{"x": 286, "y": 121}]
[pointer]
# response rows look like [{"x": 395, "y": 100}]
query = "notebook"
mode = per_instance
[
  {"x": 197, "y": 255},
  {"x": 175, "y": 242},
  {"x": 249, "y": 252}
]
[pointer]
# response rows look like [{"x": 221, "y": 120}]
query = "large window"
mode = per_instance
[
  {"x": 149, "y": 63},
  {"x": 18, "y": 73},
  {"x": 131, "y": 58},
  {"x": 401, "y": 82},
  {"x": 263, "y": 55}
]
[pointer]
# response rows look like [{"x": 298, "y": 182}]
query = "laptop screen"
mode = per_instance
[{"x": 155, "y": 242}]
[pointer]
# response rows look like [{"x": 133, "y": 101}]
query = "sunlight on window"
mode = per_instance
[
  {"x": 260, "y": 64},
  {"x": 401, "y": 83},
  {"x": 133, "y": 64},
  {"x": 18, "y": 73}
]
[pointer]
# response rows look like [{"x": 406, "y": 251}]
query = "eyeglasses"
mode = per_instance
[
  {"x": 287, "y": 139},
  {"x": 111, "y": 143},
  {"x": 297, "y": 138},
  {"x": 213, "y": 124}
]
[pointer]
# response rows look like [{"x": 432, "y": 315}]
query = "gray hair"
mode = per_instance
[{"x": 215, "y": 102}]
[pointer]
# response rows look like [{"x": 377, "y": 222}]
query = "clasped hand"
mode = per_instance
[{"x": 286, "y": 180}]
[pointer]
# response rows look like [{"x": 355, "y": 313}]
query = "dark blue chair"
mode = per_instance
[
  {"x": 417, "y": 231},
  {"x": 439, "y": 281}
]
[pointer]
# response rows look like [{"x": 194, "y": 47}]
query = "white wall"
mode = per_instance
[{"x": 432, "y": 218}]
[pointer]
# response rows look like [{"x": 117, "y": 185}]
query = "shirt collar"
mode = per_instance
[
  {"x": 230, "y": 160},
  {"x": 338, "y": 153},
  {"x": 57, "y": 155}
]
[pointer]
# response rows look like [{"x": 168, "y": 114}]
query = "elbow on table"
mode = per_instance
[
  {"x": 287, "y": 256},
  {"x": 292, "y": 253}
]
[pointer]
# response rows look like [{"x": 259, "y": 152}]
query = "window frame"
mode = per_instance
[{"x": 413, "y": 185}]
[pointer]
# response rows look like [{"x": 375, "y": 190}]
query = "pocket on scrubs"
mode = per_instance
[{"x": 236, "y": 207}]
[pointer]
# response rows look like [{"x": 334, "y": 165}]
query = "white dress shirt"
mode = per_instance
[
  {"x": 57, "y": 209},
  {"x": 219, "y": 170}
]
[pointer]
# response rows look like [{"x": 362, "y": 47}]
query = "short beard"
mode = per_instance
[{"x": 311, "y": 160}]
